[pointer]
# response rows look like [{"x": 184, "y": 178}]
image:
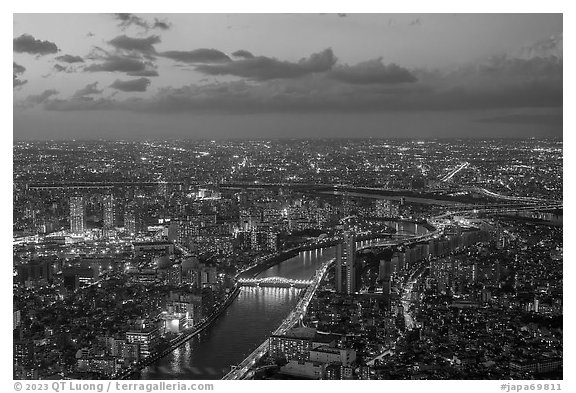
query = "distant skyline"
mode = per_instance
[{"x": 216, "y": 76}]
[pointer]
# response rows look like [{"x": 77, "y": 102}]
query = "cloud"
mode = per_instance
[
  {"x": 89, "y": 89},
  {"x": 162, "y": 25},
  {"x": 128, "y": 61},
  {"x": 140, "y": 84},
  {"x": 70, "y": 59},
  {"x": 60, "y": 68},
  {"x": 550, "y": 47},
  {"x": 18, "y": 82},
  {"x": 119, "y": 63},
  {"x": 127, "y": 20},
  {"x": 266, "y": 68},
  {"x": 37, "y": 99},
  {"x": 315, "y": 85},
  {"x": 147, "y": 72},
  {"x": 320, "y": 94},
  {"x": 143, "y": 45},
  {"x": 243, "y": 54},
  {"x": 28, "y": 44},
  {"x": 79, "y": 104},
  {"x": 373, "y": 71},
  {"x": 202, "y": 55},
  {"x": 17, "y": 70}
]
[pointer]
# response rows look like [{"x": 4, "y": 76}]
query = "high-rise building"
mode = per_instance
[
  {"x": 345, "y": 261},
  {"x": 108, "y": 211},
  {"x": 350, "y": 247},
  {"x": 77, "y": 214},
  {"x": 133, "y": 222},
  {"x": 338, "y": 275}
]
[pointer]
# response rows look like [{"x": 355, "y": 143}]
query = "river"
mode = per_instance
[{"x": 245, "y": 324}]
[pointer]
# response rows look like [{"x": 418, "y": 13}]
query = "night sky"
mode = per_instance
[{"x": 212, "y": 76}]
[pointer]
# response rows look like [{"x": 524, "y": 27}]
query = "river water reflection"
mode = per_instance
[{"x": 245, "y": 324}]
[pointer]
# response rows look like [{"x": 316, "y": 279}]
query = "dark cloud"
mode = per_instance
[
  {"x": 119, "y": 63},
  {"x": 318, "y": 94},
  {"x": 372, "y": 71},
  {"x": 143, "y": 45},
  {"x": 87, "y": 90},
  {"x": 18, "y": 82},
  {"x": 60, "y": 68},
  {"x": 18, "y": 70},
  {"x": 536, "y": 67},
  {"x": 28, "y": 44},
  {"x": 134, "y": 56},
  {"x": 314, "y": 85},
  {"x": 202, "y": 55},
  {"x": 79, "y": 104},
  {"x": 140, "y": 84},
  {"x": 243, "y": 54},
  {"x": 70, "y": 59},
  {"x": 147, "y": 72},
  {"x": 127, "y": 20},
  {"x": 266, "y": 68},
  {"x": 162, "y": 25},
  {"x": 36, "y": 99}
]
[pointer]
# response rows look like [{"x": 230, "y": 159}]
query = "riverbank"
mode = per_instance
[
  {"x": 292, "y": 319},
  {"x": 184, "y": 337},
  {"x": 283, "y": 256}
]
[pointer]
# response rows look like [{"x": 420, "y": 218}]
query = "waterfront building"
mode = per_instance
[
  {"x": 350, "y": 247},
  {"x": 290, "y": 348},
  {"x": 147, "y": 336},
  {"x": 338, "y": 267},
  {"x": 345, "y": 265},
  {"x": 297, "y": 343}
]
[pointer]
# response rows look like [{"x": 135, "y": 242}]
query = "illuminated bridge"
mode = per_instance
[{"x": 280, "y": 282}]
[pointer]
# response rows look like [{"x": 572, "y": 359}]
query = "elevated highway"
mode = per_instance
[{"x": 454, "y": 172}]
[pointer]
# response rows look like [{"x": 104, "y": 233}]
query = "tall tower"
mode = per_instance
[
  {"x": 338, "y": 275},
  {"x": 77, "y": 214},
  {"x": 350, "y": 247},
  {"x": 108, "y": 211}
]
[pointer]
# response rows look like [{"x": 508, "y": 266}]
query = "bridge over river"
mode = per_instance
[{"x": 278, "y": 282}]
